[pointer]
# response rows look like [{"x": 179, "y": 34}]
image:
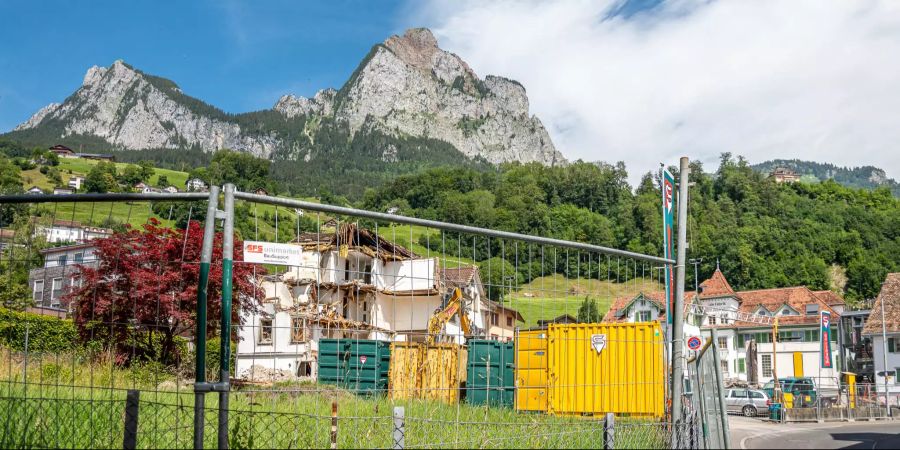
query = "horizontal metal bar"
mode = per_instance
[
  {"x": 331, "y": 209},
  {"x": 99, "y": 198},
  {"x": 222, "y": 386}
]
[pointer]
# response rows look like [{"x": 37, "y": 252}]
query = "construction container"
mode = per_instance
[
  {"x": 434, "y": 372},
  {"x": 490, "y": 373},
  {"x": 359, "y": 365},
  {"x": 606, "y": 368},
  {"x": 532, "y": 389}
]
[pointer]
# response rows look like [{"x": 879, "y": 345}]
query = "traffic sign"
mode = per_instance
[
  {"x": 694, "y": 343},
  {"x": 362, "y": 359}
]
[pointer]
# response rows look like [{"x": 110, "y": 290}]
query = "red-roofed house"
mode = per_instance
[
  {"x": 886, "y": 325},
  {"x": 797, "y": 309}
]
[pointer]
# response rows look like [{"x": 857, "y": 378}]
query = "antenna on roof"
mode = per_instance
[{"x": 717, "y": 263}]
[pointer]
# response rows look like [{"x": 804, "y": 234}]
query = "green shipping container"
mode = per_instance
[
  {"x": 490, "y": 377},
  {"x": 359, "y": 365}
]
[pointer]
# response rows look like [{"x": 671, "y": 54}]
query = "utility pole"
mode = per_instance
[
  {"x": 777, "y": 384},
  {"x": 678, "y": 314},
  {"x": 884, "y": 371}
]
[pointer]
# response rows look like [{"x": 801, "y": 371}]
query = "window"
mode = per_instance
[
  {"x": 56, "y": 291},
  {"x": 741, "y": 365},
  {"x": 811, "y": 336},
  {"x": 61, "y": 260},
  {"x": 712, "y": 320},
  {"x": 79, "y": 257},
  {"x": 75, "y": 283},
  {"x": 509, "y": 321},
  {"x": 723, "y": 343},
  {"x": 265, "y": 331},
  {"x": 643, "y": 316},
  {"x": 367, "y": 275},
  {"x": 897, "y": 376},
  {"x": 298, "y": 330},
  {"x": 495, "y": 319},
  {"x": 812, "y": 310},
  {"x": 754, "y": 394},
  {"x": 740, "y": 340},
  {"x": 38, "y": 295},
  {"x": 892, "y": 345},
  {"x": 738, "y": 393},
  {"x": 347, "y": 269},
  {"x": 724, "y": 364},
  {"x": 767, "y": 365}
]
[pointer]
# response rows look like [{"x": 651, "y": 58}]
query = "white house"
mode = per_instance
[
  {"x": 34, "y": 190},
  {"x": 797, "y": 309},
  {"x": 351, "y": 284},
  {"x": 68, "y": 231},
  {"x": 887, "y": 377},
  {"x": 798, "y": 346},
  {"x": 62, "y": 191},
  {"x": 170, "y": 189},
  {"x": 75, "y": 182},
  {"x": 195, "y": 185}
]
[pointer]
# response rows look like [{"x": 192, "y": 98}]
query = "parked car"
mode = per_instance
[
  {"x": 803, "y": 389},
  {"x": 749, "y": 402}
]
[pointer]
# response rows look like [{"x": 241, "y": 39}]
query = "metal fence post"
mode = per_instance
[
  {"x": 720, "y": 388},
  {"x": 678, "y": 313},
  {"x": 334, "y": 424},
  {"x": 399, "y": 428},
  {"x": 225, "y": 349},
  {"x": 209, "y": 234},
  {"x": 609, "y": 432},
  {"x": 132, "y": 404}
]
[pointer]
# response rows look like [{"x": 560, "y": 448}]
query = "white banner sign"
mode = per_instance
[{"x": 272, "y": 253}]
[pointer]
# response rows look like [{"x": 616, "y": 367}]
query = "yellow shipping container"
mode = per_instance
[
  {"x": 427, "y": 372},
  {"x": 403, "y": 375},
  {"x": 606, "y": 368},
  {"x": 531, "y": 371}
]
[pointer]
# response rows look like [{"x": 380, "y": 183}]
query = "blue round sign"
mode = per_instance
[{"x": 694, "y": 343}]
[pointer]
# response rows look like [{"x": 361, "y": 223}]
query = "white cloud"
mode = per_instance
[{"x": 764, "y": 79}]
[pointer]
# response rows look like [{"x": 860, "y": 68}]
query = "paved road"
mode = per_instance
[{"x": 752, "y": 433}]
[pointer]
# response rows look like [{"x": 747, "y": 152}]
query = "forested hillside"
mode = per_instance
[{"x": 763, "y": 234}]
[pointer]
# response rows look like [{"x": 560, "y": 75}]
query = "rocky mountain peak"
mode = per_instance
[{"x": 407, "y": 87}]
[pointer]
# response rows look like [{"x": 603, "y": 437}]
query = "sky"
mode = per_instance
[{"x": 643, "y": 81}]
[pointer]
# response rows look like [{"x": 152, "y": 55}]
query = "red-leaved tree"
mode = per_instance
[{"x": 143, "y": 293}]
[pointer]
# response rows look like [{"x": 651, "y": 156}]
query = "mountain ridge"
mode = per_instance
[
  {"x": 406, "y": 88},
  {"x": 865, "y": 177}
]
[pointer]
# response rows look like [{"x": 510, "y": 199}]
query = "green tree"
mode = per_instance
[
  {"x": 132, "y": 175},
  {"x": 162, "y": 181},
  {"x": 499, "y": 277},
  {"x": 147, "y": 169},
  {"x": 101, "y": 178},
  {"x": 589, "y": 312}
]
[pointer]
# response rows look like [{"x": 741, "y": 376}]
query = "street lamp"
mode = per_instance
[{"x": 696, "y": 262}]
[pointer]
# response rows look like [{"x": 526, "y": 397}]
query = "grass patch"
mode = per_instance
[
  {"x": 71, "y": 402},
  {"x": 551, "y": 296}
]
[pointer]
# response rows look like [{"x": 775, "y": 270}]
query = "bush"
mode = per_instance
[
  {"x": 44, "y": 334},
  {"x": 213, "y": 356}
]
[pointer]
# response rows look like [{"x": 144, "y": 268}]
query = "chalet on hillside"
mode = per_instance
[
  {"x": 784, "y": 175},
  {"x": 62, "y": 151}
]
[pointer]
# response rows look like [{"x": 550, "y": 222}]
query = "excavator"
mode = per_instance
[{"x": 452, "y": 303}]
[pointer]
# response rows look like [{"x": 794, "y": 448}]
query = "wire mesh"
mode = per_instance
[{"x": 367, "y": 321}]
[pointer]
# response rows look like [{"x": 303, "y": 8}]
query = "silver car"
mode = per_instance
[{"x": 748, "y": 402}]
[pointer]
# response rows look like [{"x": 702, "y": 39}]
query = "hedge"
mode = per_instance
[{"x": 45, "y": 334}]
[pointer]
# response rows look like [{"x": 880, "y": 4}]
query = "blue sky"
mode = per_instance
[
  {"x": 641, "y": 81},
  {"x": 239, "y": 56}
]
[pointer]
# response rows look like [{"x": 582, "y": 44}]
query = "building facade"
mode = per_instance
[
  {"x": 796, "y": 352},
  {"x": 884, "y": 331},
  {"x": 59, "y": 274},
  {"x": 352, "y": 284}
]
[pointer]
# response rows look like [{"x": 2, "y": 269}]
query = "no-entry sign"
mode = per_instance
[{"x": 694, "y": 343}]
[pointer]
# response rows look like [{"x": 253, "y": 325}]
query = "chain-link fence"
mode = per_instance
[
  {"x": 829, "y": 400},
  {"x": 707, "y": 396},
  {"x": 340, "y": 319}
]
